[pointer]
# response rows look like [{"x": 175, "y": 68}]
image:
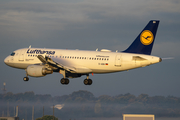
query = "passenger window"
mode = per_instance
[{"x": 13, "y": 53}]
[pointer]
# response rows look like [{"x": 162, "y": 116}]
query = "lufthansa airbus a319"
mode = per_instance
[{"x": 39, "y": 62}]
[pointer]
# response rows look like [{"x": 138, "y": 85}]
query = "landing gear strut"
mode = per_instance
[
  {"x": 64, "y": 80},
  {"x": 26, "y": 78}
]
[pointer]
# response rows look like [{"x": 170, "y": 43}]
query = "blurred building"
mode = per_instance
[
  {"x": 9, "y": 118},
  {"x": 138, "y": 117}
]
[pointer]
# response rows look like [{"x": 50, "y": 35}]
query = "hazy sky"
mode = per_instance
[{"x": 87, "y": 25}]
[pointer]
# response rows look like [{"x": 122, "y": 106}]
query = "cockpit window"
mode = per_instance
[{"x": 13, "y": 53}]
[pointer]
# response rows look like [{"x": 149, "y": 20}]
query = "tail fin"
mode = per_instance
[{"x": 144, "y": 42}]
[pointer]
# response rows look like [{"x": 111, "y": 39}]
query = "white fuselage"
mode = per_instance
[{"x": 87, "y": 61}]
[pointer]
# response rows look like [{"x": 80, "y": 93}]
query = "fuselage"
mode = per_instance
[{"x": 95, "y": 61}]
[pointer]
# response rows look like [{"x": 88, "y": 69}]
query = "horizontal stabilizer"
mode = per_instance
[{"x": 138, "y": 58}]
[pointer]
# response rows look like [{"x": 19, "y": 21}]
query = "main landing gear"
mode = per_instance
[
  {"x": 87, "y": 81},
  {"x": 64, "y": 81}
]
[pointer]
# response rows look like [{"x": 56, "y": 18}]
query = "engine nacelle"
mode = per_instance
[{"x": 38, "y": 70}]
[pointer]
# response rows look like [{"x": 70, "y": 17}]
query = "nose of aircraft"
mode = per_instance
[{"x": 6, "y": 60}]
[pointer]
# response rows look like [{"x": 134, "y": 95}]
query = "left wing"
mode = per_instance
[
  {"x": 54, "y": 65},
  {"x": 63, "y": 64}
]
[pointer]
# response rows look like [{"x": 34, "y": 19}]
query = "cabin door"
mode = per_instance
[{"x": 118, "y": 61}]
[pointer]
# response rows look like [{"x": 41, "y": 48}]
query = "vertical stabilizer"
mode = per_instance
[{"x": 143, "y": 44}]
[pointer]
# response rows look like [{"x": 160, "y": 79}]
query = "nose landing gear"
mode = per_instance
[{"x": 26, "y": 78}]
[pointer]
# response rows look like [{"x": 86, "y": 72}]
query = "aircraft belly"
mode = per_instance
[
  {"x": 105, "y": 68},
  {"x": 101, "y": 71},
  {"x": 83, "y": 70}
]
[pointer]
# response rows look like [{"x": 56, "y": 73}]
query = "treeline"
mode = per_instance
[{"x": 82, "y": 104}]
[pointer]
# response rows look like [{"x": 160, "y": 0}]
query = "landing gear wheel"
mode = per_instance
[
  {"x": 87, "y": 81},
  {"x": 67, "y": 81},
  {"x": 90, "y": 81},
  {"x": 25, "y": 78},
  {"x": 64, "y": 81}
]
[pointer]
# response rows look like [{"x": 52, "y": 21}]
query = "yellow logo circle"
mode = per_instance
[{"x": 146, "y": 37}]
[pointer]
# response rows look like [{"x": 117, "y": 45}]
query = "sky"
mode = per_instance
[{"x": 88, "y": 25}]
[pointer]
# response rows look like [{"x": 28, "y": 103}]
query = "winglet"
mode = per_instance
[{"x": 143, "y": 44}]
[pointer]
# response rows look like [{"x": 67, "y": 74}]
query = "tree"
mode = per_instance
[
  {"x": 83, "y": 94},
  {"x": 47, "y": 117},
  {"x": 143, "y": 98}
]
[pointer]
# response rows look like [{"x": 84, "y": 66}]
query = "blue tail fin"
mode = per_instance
[{"x": 144, "y": 42}]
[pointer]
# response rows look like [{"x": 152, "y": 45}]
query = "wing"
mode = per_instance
[
  {"x": 55, "y": 65},
  {"x": 63, "y": 64}
]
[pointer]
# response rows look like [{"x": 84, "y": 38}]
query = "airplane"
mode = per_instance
[{"x": 39, "y": 62}]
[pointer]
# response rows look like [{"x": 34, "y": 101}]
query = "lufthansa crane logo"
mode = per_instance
[{"x": 146, "y": 37}]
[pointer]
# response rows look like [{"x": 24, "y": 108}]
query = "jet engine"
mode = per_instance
[{"x": 38, "y": 70}]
